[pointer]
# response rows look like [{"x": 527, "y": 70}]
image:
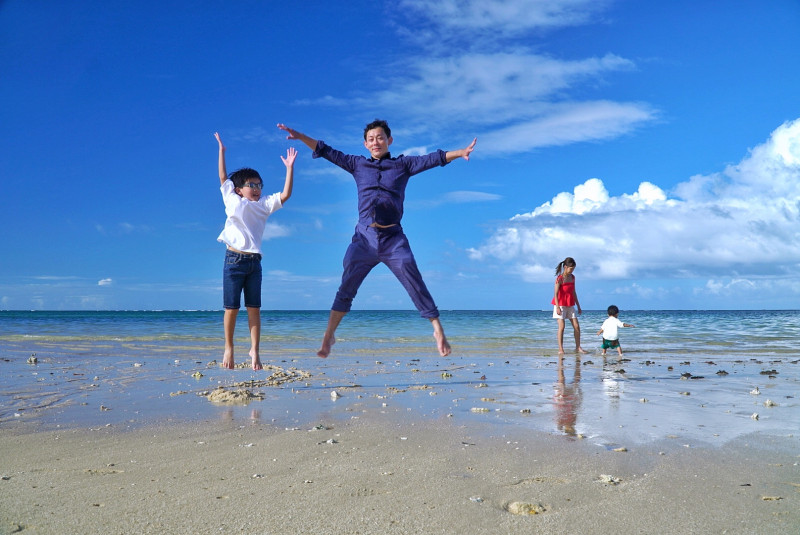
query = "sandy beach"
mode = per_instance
[
  {"x": 384, "y": 472},
  {"x": 101, "y": 434}
]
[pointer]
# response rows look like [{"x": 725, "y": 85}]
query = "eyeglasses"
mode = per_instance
[{"x": 254, "y": 185}]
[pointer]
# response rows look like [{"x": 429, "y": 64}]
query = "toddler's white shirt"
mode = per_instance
[
  {"x": 610, "y": 328},
  {"x": 244, "y": 226}
]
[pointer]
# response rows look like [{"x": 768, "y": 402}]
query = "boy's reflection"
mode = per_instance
[{"x": 567, "y": 398}]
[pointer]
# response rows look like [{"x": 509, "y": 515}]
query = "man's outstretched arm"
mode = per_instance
[{"x": 311, "y": 143}]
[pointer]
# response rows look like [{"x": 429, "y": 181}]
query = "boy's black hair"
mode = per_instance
[
  {"x": 240, "y": 176},
  {"x": 613, "y": 310},
  {"x": 378, "y": 123}
]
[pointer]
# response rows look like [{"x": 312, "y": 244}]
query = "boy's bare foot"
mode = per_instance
[
  {"x": 325, "y": 350},
  {"x": 256, "y": 361},
  {"x": 227, "y": 359},
  {"x": 441, "y": 343}
]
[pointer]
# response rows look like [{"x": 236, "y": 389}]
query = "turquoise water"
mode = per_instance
[
  {"x": 684, "y": 373},
  {"x": 724, "y": 333}
]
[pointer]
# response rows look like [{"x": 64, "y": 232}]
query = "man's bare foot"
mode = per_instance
[
  {"x": 256, "y": 361},
  {"x": 579, "y": 349},
  {"x": 325, "y": 350},
  {"x": 560, "y": 351},
  {"x": 441, "y": 343},
  {"x": 227, "y": 359}
]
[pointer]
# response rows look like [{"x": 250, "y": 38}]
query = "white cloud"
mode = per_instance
[
  {"x": 470, "y": 196},
  {"x": 121, "y": 228},
  {"x": 715, "y": 286},
  {"x": 592, "y": 196},
  {"x": 501, "y": 89},
  {"x": 567, "y": 123},
  {"x": 129, "y": 228},
  {"x": 275, "y": 230},
  {"x": 104, "y": 282},
  {"x": 326, "y": 100},
  {"x": 455, "y": 197},
  {"x": 287, "y": 276},
  {"x": 514, "y": 98},
  {"x": 742, "y": 223},
  {"x": 416, "y": 151},
  {"x": 512, "y": 15}
]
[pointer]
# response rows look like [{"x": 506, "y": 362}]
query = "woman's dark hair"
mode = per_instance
[{"x": 567, "y": 262}]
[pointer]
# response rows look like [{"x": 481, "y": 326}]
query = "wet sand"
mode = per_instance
[{"x": 421, "y": 444}]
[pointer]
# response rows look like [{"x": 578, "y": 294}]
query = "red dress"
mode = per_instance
[{"x": 566, "y": 293}]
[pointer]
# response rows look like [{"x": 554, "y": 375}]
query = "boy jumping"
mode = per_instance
[{"x": 247, "y": 212}]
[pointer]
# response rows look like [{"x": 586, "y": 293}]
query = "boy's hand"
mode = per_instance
[
  {"x": 291, "y": 154},
  {"x": 219, "y": 140}
]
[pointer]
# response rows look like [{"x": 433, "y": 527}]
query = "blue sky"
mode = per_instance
[{"x": 657, "y": 143}]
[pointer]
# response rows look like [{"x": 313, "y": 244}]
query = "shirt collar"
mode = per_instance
[{"x": 387, "y": 156}]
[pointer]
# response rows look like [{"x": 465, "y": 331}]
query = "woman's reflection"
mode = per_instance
[{"x": 567, "y": 398}]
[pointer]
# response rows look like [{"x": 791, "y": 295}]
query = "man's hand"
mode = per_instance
[
  {"x": 466, "y": 152},
  {"x": 293, "y": 134}
]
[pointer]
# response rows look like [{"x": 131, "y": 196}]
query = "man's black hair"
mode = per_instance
[{"x": 378, "y": 123}]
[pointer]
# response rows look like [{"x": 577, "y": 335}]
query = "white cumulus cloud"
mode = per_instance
[
  {"x": 275, "y": 230},
  {"x": 734, "y": 227}
]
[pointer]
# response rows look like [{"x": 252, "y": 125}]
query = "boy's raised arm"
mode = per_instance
[
  {"x": 463, "y": 153},
  {"x": 291, "y": 154},
  {"x": 311, "y": 143},
  {"x": 223, "y": 174}
]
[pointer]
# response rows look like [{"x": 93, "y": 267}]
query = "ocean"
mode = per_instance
[{"x": 683, "y": 373}]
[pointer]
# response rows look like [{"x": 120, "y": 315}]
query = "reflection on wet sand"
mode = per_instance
[
  {"x": 567, "y": 398},
  {"x": 610, "y": 376}
]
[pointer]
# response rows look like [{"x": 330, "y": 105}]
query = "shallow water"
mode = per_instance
[{"x": 120, "y": 368}]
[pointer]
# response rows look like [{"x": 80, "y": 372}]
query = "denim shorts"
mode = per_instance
[{"x": 241, "y": 272}]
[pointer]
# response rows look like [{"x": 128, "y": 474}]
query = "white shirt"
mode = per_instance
[
  {"x": 611, "y": 328},
  {"x": 244, "y": 226}
]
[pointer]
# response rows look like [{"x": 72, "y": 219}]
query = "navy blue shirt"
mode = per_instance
[{"x": 381, "y": 183}]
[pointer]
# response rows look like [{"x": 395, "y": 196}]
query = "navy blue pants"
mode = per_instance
[
  {"x": 241, "y": 272},
  {"x": 371, "y": 246}
]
